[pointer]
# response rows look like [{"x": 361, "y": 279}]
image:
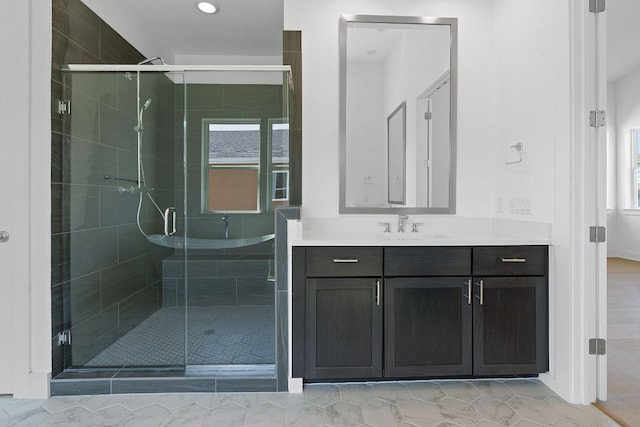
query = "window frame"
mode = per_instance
[
  {"x": 206, "y": 166},
  {"x": 277, "y": 167},
  {"x": 273, "y": 184}
]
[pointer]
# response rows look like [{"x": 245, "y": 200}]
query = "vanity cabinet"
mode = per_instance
[
  {"x": 343, "y": 334},
  {"x": 419, "y": 312},
  {"x": 427, "y": 316},
  {"x": 510, "y": 313}
]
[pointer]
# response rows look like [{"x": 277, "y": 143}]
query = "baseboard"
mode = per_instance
[{"x": 35, "y": 385}]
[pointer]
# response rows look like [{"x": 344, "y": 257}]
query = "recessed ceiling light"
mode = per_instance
[{"x": 207, "y": 7}]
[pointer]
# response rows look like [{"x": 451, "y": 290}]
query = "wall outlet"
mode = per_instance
[{"x": 520, "y": 206}]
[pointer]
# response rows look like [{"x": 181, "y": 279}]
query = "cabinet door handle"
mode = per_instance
[
  {"x": 345, "y": 260},
  {"x": 378, "y": 292},
  {"x": 469, "y": 292},
  {"x": 514, "y": 260},
  {"x": 481, "y": 293}
]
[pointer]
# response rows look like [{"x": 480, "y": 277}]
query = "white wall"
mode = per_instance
[
  {"x": 613, "y": 206},
  {"x": 25, "y": 358},
  {"x": 526, "y": 91},
  {"x": 537, "y": 68},
  {"x": 319, "y": 22},
  {"x": 523, "y": 77},
  {"x": 624, "y": 235}
]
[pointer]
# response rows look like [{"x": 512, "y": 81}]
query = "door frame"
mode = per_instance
[
  {"x": 588, "y": 202},
  {"x": 26, "y": 125}
]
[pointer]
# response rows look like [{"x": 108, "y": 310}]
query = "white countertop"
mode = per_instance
[{"x": 465, "y": 238}]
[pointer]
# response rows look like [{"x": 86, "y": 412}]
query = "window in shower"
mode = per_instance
[
  {"x": 279, "y": 140},
  {"x": 231, "y": 178}
]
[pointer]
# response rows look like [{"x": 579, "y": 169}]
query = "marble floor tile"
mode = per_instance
[
  {"x": 385, "y": 404},
  {"x": 461, "y": 390},
  {"x": 305, "y": 414}
]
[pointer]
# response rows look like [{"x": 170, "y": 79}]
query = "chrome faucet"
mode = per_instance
[
  {"x": 225, "y": 219},
  {"x": 401, "y": 219}
]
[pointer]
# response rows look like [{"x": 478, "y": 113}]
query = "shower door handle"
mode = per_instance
[{"x": 170, "y": 211}]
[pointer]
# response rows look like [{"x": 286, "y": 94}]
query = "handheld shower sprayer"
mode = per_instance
[{"x": 139, "y": 127}]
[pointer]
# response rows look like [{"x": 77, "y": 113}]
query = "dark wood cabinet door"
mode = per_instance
[
  {"x": 343, "y": 329},
  {"x": 427, "y": 327},
  {"x": 510, "y": 325}
]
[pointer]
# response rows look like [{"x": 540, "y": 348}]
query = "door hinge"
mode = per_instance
[
  {"x": 597, "y": 6},
  {"x": 64, "y": 107},
  {"x": 597, "y": 234},
  {"x": 597, "y": 118},
  {"x": 597, "y": 346},
  {"x": 64, "y": 337},
  {"x": 427, "y": 116}
]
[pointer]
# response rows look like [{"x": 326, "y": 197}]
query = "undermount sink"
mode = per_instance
[{"x": 414, "y": 236}]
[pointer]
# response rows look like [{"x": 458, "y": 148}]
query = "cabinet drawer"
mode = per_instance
[
  {"x": 344, "y": 262},
  {"x": 510, "y": 261},
  {"x": 427, "y": 261}
]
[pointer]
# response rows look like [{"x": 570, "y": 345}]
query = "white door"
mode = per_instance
[{"x": 14, "y": 180}]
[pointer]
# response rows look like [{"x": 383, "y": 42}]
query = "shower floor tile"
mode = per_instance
[{"x": 220, "y": 335}]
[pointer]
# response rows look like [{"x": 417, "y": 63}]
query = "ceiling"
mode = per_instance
[
  {"x": 623, "y": 37},
  {"x": 254, "y": 28},
  {"x": 240, "y": 28}
]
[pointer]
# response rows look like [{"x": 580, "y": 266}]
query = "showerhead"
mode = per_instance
[{"x": 146, "y": 104}]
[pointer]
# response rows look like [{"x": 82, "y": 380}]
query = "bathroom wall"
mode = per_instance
[
  {"x": 624, "y": 237},
  {"x": 520, "y": 80},
  {"x": 319, "y": 23},
  {"x": 105, "y": 277},
  {"x": 529, "y": 105},
  {"x": 216, "y": 101}
]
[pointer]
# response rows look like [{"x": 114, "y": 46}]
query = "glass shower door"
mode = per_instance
[
  {"x": 236, "y": 152},
  {"x": 118, "y": 276}
]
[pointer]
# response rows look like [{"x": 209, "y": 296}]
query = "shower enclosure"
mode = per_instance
[{"x": 171, "y": 176}]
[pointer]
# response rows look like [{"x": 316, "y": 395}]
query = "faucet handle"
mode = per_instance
[
  {"x": 387, "y": 226},
  {"x": 414, "y": 229}
]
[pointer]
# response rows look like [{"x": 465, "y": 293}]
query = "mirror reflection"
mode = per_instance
[{"x": 397, "y": 118}]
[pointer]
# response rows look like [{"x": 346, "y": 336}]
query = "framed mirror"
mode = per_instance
[{"x": 398, "y": 79}]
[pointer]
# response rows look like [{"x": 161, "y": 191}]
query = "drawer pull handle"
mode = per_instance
[
  {"x": 514, "y": 260},
  {"x": 345, "y": 260}
]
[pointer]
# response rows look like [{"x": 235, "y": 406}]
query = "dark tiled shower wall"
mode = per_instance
[
  {"x": 219, "y": 101},
  {"x": 105, "y": 277},
  {"x": 292, "y": 55},
  {"x": 215, "y": 281}
]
